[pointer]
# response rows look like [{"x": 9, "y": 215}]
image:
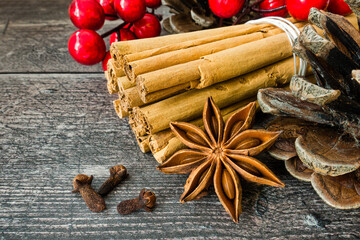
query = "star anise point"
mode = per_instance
[{"x": 220, "y": 155}]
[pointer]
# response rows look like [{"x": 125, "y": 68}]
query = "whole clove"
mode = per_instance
[
  {"x": 82, "y": 184},
  {"x": 117, "y": 174},
  {"x": 146, "y": 201}
]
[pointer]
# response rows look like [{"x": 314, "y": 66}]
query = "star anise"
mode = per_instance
[{"x": 221, "y": 156}]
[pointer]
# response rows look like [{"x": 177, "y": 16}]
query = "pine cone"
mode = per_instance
[{"x": 327, "y": 149}]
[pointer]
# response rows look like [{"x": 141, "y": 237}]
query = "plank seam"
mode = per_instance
[{"x": 6, "y": 26}]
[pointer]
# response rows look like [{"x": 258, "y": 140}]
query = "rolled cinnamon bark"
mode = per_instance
[
  {"x": 118, "y": 49},
  {"x": 220, "y": 66},
  {"x": 162, "y": 94},
  {"x": 164, "y": 144},
  {"x": 184, "y": 45},
  {"x": 207, "y": 39},
  {"x": 124, "y": 83},
  {"x": 143, "y": 143},
  {"x": 113, "y": 73},
  {"x": 168, "y": 77},
  {"x": 175, "y": 42},
  {"x": 119, "y": 111},
  {"x": 121, "y": 48},
  {"x": 108, "y": 82},
  {"x": 188, "y": 106},
  {"x": 133, "y": 67},
  {"x": 130, "y": 97}
]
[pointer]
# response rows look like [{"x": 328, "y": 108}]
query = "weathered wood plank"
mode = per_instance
[
  {"x": 40, "y": 11},
  {"x": 31, "y": 11},
  {"x": 39, "y": 47},
  {"x": 34, "y": 36},
  {"x": 54, "y": 126}
]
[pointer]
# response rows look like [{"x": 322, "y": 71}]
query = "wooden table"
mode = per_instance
[{"x": 57, "y": 120}]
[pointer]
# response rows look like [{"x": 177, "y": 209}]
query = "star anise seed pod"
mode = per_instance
[{"x": 221, "y": 155}]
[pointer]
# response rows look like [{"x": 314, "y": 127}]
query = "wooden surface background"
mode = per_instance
[{"x": 57, "y": 120}]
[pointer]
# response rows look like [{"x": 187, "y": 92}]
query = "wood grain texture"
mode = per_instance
[
  {"x": 57, "y": 120},
  {"x": 54, "y": 126},
  {"x": 33, "y": 11},
  {"x": 34, "y": 36}
]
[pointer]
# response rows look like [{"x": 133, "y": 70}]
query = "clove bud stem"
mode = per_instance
[
  {"x": 146, "y": 201},
  {"x": 117, "y": 174},
  {"x": 82, "y": 184}
]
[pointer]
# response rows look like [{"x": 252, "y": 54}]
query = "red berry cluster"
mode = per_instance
[
  {"x": 298, "y": 9},
  {"x": 87, "y": 47},
  {"x": 230, "y": 8}
]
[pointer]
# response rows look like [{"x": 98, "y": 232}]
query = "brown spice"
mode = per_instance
[
  {"x": 117, "y": 174},
  {"x": 146, "y": 201},
  {"x": 82, "y": 184},
  {"x": 221, "y": 155}
]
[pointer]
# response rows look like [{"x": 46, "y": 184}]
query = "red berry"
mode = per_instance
[
  {"x": 226, "y": 8},
  {"x": 153, "y": 3},
  {"x": 125, "y": 35},
  {"x": 300, "y": 9},
  {"x": 86, "y": 14},
  {"x": 132, "y": 28},
  {"x": 114, "y": 37},
  {"x": 271, "y": 4},
  {"x": 148, "y": 26},
  {"x": 105, "y": 60},
  {"x": 339, "y": 7},
  {"x": 86, "y": 47},
  {"x": 108, "y": 8},
  {"x": 130, "y": 10}
]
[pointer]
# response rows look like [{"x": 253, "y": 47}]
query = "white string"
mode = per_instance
[{"x": 292, "y": 33}]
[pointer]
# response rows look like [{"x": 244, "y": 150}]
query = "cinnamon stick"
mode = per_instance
[
  {"x": 184, "y": 45},
  {"x": 168, "y": 77},
  {"x": 162, "y": 94},
  {"x": 113, "y": 73},
  {"x": 220, "y": 66},
  {"x": 108, "y": 82},
  {"x": 188, "y": 106},
  {"x": 143, "y": 143},
  {"x": 207, "y": 39},
  {"x": 119, "y": 111},
  {"x": 124, "y": 83},
  {"x": 126, "y": 47},
  {"x": 248, "y": 57},
  {"x": 130, "y": 97},
  {"x": 134, "y": 68}
]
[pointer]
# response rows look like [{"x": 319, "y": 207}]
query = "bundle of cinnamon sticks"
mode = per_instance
[{"x": 168, "y": 78}]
